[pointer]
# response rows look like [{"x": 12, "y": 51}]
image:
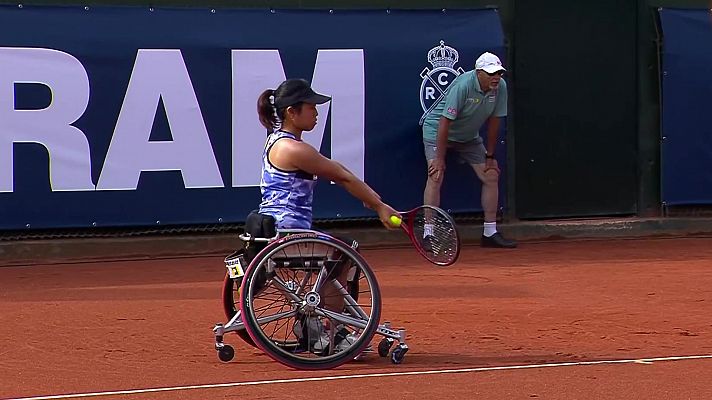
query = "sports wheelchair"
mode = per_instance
[{"x": 307, "y": 299}]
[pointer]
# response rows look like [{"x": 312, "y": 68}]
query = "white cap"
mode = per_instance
[{"x": 489, "y": 62}]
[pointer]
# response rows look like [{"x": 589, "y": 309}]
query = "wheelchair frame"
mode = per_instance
[{"x": 238, "y": 270}]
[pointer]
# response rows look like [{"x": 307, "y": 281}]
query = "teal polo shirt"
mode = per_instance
[{"x": 467, "y": 106}]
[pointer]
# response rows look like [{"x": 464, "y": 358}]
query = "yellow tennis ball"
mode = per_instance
[{"x": 395, "y": 220}]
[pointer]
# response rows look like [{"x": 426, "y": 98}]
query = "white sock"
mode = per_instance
[
  {"x": 427, "y": 230},
  {"x": 490, "y": 228}
]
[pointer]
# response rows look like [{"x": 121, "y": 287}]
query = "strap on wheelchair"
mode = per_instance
[{"x": 259, "y": 229}]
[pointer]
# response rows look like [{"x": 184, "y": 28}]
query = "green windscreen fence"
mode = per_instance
[{"x": 575, "y": 108}]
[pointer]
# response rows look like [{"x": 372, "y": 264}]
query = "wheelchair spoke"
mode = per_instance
[
  {"x": 311, "y": 302},
  {"x": 302, "y": 285},
  {"x": 342, "y": 318},
  {"x": 276, "y": 317},
  {"x": 285, "y": 290},
  {"x": 263, "y": 308},
  {"x": 282, "y": 324}
]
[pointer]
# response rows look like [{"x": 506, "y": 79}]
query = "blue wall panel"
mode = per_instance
[{"x": 107, "y": 43}]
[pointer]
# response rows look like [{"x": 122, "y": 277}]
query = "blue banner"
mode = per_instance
[
  {"x": 135, "y": 117},
  {"x": 687, "y": 107}
]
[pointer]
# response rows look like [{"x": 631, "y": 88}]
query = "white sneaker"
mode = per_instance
[
  {"x": 314, "y": 330},
  {"x": 347, "y": 342},
  {"x": 321, "y": 343}
]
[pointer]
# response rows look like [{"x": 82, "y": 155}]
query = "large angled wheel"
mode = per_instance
[
  {"x": 297, "y": 289},
  {"x": 231, "y": 306},
  {"x": 231, "y": 303}
]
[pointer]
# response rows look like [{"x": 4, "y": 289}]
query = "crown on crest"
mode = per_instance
[{"x": 443, "y": 56}]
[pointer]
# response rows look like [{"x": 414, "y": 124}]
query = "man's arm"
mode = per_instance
[
  {"x": 492, "y": 135},
  {"x": 500, "y": 111},
  {"x": 436, "y": 169},
  {"x": 441, "y": 140},
  {"x": 454, "y": 99}
]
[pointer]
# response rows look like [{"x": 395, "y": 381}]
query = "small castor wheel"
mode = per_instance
[
  {"x": 226, "y": 353},
  {"x": 384, "y": 346},
  {"x": 398, "y": 354}
]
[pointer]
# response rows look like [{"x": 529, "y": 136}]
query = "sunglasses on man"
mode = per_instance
[{"x": 500, "y": 73}]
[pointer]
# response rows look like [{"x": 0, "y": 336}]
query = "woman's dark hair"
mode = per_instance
[{"x": 270, "y": 114}]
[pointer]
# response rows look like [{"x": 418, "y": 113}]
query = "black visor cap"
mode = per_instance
[{"x": 306, "y": 95}]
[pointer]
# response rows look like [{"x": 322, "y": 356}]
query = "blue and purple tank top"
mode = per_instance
[{"x": 286, "y": 195}]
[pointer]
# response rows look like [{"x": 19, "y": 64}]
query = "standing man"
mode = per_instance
[{"x": 453, "y": 125}]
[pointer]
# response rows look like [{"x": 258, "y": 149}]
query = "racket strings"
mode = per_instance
[{"x": 436, "y": 235}]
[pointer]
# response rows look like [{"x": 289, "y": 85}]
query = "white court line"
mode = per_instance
[{"x": 380, "y": 375}]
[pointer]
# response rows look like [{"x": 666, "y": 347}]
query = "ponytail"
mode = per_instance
[
  {"x": 273, "y": 103},
  {"x": 266, "y": 110}
]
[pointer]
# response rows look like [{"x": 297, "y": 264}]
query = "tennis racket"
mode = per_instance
[{"x": 432, "y": 232}]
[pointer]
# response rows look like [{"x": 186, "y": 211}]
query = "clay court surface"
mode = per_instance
[{"x": 549, "y": 320}]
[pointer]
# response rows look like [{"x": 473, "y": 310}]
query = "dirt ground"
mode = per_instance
[{"x": 549, "y": 320}]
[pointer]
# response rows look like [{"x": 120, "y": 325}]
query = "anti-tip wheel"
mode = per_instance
[
  {"x": 398, "y": 354},
  {"x": 384, "y": 346},
  {"x": 226, "y": 353}
]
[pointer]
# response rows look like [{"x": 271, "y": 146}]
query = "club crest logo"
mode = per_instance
[{"x": 436, "y": 81}]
